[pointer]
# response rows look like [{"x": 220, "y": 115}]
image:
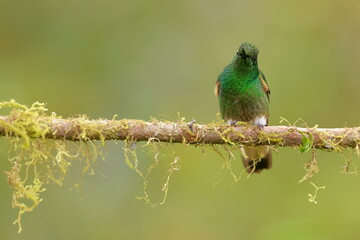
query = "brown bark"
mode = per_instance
[{"x": 79, "y": 129}]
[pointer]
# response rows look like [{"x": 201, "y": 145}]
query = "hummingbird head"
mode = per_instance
[
  {"x": 248, "y": 50},
  {"x": 246, "y": 58}
]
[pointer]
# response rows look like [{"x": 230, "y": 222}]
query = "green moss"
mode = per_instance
[
  {"x": 155, "y": 149},
  {"x": 36, "y": 161},
  {"x": 312, "y": 197}
]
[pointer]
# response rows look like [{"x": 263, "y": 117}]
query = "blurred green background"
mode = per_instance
[{"x": 142, "y": 59}]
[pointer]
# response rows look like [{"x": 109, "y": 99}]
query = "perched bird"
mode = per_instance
[{"x": 243, "y": 94}]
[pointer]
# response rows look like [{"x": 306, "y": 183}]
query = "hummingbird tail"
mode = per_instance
[{"x": 255, "y": 159}]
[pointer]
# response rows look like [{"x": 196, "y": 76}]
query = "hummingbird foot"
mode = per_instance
[{"x": 231, "y": 122}]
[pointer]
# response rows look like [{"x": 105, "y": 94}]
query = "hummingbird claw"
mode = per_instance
[{"x": 232, "y": 122}]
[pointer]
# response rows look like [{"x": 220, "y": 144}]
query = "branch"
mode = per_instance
[
  {"x": 82, "y": 129},
  {"x": 36, "y": 163}
]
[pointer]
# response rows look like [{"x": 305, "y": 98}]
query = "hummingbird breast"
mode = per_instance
[{"x": 243, "y": 99}]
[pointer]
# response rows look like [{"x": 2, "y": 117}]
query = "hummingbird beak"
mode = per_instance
[{"x": 242, "y": 53}]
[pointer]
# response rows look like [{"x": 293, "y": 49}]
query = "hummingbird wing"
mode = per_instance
[
  {"x": 265, "y": 85},
  {"x": 217, "y": 87}
]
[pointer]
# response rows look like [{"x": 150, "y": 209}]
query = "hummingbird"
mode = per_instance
[{"x": 244, "y": 95}]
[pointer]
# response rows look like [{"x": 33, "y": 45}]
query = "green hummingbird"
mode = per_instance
[{"x": 244, "y": 95}]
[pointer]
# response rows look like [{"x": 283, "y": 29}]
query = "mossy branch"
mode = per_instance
[
  {"x": 82, "y": 129},
  {"x": 42, "y": 147}
]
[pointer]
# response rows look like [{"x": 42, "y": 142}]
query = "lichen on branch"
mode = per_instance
[
  {"x": 32, "y": 123},
  {"x": 44, "y": 146},
  {"x": 36, "y": 160}
]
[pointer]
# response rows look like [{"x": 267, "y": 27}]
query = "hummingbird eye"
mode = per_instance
[{"x": 237, "y": 53}]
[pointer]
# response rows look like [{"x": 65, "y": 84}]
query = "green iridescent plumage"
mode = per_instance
[{"x": 244, "y": 96}]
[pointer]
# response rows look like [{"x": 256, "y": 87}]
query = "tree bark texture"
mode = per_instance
[{"x": 81, "y": 129}]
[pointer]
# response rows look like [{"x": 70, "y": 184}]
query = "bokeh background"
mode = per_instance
[{"x": 143, "y": 59}]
